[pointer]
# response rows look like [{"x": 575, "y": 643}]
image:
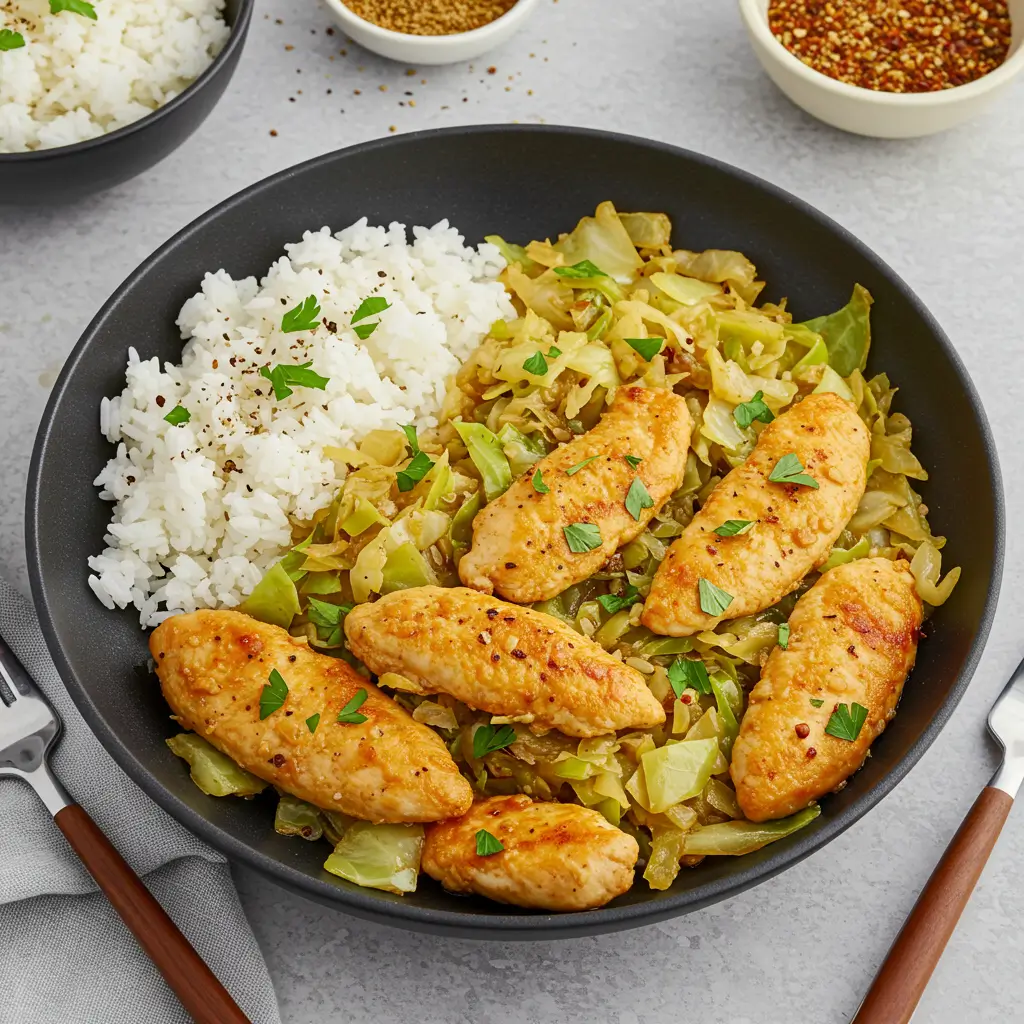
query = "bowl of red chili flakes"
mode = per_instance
[{"x": 889, "y": 69}]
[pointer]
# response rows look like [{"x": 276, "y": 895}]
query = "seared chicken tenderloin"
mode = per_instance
[
  {"x": 853, "y": 638},
  {"x": 213, "y": 666},
  {"x": 794, "y": 526},
  {"x": 520, "y": 549},
  {"x": 554, "y": 856},
  {"x": 502, "y": 659}
]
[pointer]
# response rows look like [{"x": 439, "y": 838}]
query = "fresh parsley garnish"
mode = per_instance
[
  {"x": 713, "y": 600},
  {"x": 746, "y": 412},
  {"x": 10, "y": 40},
  {"x": 790, "y": 470},
  {"x": 554, "y": 353},
  {"x": 349, "y": 713},
  {"x": 638, "y": 498},
  {"x": 538, "y": 483},
  {"x": 487, "y": 845},
  {"x": 633, "y": 460},
  {"x": 178, "y": 415},
  {"x": 304, "y": 317},
  {"x": 579, "y": 465},
  {"x": 784, "y": 636},
  {"x": 536, "y": 364},
  {"x": 734, "y": 527},
  {"x": 817, "y": 701},
  {"x": 846, "y": 722},
  {"x": 582, "y": 537},
  {"x": 283, "y": 375},
  {"x": 646, "y": 348},
  {"x": 683, "y": 673},
  {"x": 368, "y": 307},
  {"x": 312, "y": 722},
  {"x": 410, "y": 433},
  {"x": 75, "y": 6},
  {"x": 488, "y": 738},
  {"x": 327, "y": 618},
  {"x": 420, "y": 466},
  {"x": 613, "y": 603},
  {"x": 273, "y": 695},
  {"x": 582, "y": 269}
]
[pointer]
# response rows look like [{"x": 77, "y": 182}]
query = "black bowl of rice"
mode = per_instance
[{"x": 94, "y": 93}]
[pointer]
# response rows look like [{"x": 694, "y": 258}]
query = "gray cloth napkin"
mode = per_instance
[{"x": 64, "y": 954}]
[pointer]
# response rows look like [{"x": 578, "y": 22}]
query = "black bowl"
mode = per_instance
[
  {"x": 523, "y": 182},
  {"x": 67, "y": 173}
]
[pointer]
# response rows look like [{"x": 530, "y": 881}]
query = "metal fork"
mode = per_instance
[
  {"x": 902, "y": 978},
  {"x": 29, "y": 728}
]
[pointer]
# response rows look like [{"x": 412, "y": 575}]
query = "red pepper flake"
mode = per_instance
[
  {"x": 895, "y": 45},
  {"x": 811, "y": 752},
  {"x": 803, "y": 730}
]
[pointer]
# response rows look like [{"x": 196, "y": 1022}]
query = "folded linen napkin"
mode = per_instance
[{"x": 64, "y": 953}]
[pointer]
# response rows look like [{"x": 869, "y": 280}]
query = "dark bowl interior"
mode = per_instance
[
  {"x": 67, "y": 173},
  {"x": 523, "y": 182}
]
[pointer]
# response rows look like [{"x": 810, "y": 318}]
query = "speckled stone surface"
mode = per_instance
[{"x": 946, "y": 212}]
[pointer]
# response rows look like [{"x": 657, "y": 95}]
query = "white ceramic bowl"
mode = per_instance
[
  {"x": 417, "y": 50},
  {"x": 885, "y": 115}
]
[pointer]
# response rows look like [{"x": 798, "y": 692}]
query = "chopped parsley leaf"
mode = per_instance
[
  {"x": 582, "y": 537},
  {"x": 713, "y": 600},
  {"x": 538, "y": 483},
  {"x": 554, "y": 353},
  {"x": 284, "y": 375},
  {"x": 789, "y": 470},
  {"x": 327, "y": 618},
  {"x": 488, "y": 738},
  {"x": 304, "y": 317},
  {"x": 734, "y": 527},
  {"x": 536, "y": 364},
  {"x": 75, "y": 7},
  {"x": 273, "y": 695},
  {"x": 10, "y": 40},
  {"x": 178, "y": 415},
  {"x": 638, "y": 498},
  {"x": 487, "y": 845},
  {"x": 684, "y": 673},
  {"x": 633, "y": 460},
  {"x": 349, "y": 714},
  {"x": 746, "y": 412},
  {"x": 410, "y": 433},
  {"x": 817, "y": 702},
  {"x": 613, "y": 603},
  {"x": 579, "y": 465},
  {"x": 409, "y": 477},
  {"x": 312, "y": 722},
  {"x": 370, "y": 307},
  {"x": 846, "y": 722},
  {"x": 646, "y": 348}
]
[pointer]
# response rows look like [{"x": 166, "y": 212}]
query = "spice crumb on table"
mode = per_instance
[{"x": 895, "y": 45}]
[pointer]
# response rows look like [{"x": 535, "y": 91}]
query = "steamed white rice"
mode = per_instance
[
  {"x": 202, "y": 509},
  {"x": 76, "y": 78}
]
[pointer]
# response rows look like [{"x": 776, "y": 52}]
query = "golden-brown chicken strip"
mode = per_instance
[
  {"x": 794, "y": 527},
  {"x": 555, "y": 856},
  {"x": 853, "y": 638},
  {"x": 520, "y": 549},
  {"x": 502, "y": 659},
  {"x": 213, "y": 666}
]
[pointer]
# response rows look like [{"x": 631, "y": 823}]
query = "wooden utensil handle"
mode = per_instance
[
  {"x": 903, "y": 976},
  {"x": 202, "y": 995}
]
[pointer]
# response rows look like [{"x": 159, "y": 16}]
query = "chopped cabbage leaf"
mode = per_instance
[
  {"x": 647, "y": 230},
  {"x": 687, "y": 291},
  {"x": 604, "y": 240},
  {"x": 213, "y": 772},
  {"x": 847, "y": 332},
  {"x": 294, "y": 817},
  {"x": 379, "y": 856},
  {"x": 485, "y": 451},
  {"x": 512, "y": 253},
  {"x": 734, "y": 838},
  {"x": 274, "y": 599},
  {"x": 925, "y": 566},
  {"x": 677, "y": 771}
]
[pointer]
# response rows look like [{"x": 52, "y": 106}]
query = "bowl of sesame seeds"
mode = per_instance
[
  {"x": 430, "y": 31},
  {"x": 891, "y": 69}
]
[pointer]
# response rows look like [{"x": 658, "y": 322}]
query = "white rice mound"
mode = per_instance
[
  {"x": 202, "y": 509},
  {"x": 76, "y": 79}
]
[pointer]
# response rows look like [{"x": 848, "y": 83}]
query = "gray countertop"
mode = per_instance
[{"x": 946, "y": 212}]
